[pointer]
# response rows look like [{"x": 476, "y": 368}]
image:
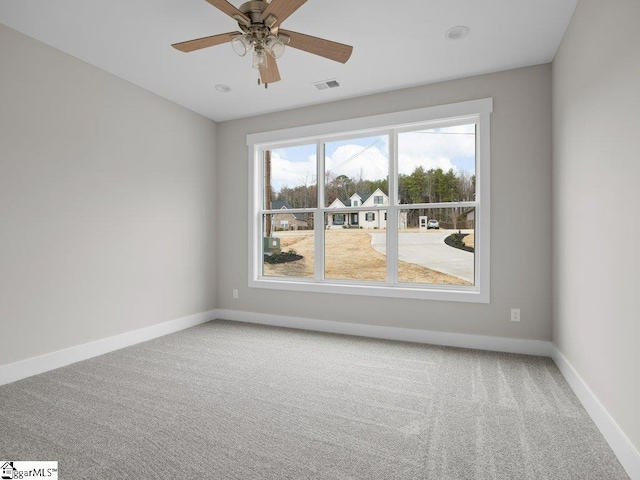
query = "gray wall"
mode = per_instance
[
  {"x": 520, "y": 212},
  {"x": 596, "y": 173},
  {"x": 107, "y": 203}
]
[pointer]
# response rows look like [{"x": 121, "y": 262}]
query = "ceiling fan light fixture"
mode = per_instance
[
  {"x": 274, "y": 46},
  {"x": 259, "y": 59},
  {"x": 242, "y": 44}
]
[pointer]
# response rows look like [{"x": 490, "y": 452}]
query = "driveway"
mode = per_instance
[{"x": 428, "y": 250}]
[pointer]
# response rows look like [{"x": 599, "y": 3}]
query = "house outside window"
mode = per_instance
[{"x": 429, "y": 164}]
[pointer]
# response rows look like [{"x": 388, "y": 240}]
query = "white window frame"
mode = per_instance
[{"x": 476, "y": 111}]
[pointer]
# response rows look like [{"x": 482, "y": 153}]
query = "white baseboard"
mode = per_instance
[
  {"x": 479, "y": 342},
  {"x": 50, "y": 361},
  {"x": 620, "y": 444}
]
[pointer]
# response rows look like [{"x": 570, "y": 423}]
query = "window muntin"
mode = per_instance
[{"x": 393, "y": 284}]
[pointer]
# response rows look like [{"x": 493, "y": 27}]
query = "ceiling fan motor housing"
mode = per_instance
[{"x": 253, "y": 10}]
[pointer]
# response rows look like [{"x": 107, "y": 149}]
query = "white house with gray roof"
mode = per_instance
[{"x": 374, "y": 217}]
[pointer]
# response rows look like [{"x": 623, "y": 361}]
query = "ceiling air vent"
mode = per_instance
[{"x": 327, "y": 84}]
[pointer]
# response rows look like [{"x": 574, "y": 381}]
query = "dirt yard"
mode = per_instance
[{"x": 350, "y": 256}]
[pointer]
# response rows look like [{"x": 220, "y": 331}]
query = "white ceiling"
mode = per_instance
[{"x": 397, "y": 43}]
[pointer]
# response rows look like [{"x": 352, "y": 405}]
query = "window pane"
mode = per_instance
[
  {"x": 437, "y": 165},
  {"x": 357, "y": 172},
  {"x": 355, "y": 248},
  {"x": 290, "y": 177},
  {"x": 436, "y": 246},
  {"x": 288, "y": 245}
]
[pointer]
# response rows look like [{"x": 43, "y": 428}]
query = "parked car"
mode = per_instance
[{"x": 433, "y": 223}]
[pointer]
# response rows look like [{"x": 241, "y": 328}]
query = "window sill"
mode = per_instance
[{"x": 454, "y": 293}]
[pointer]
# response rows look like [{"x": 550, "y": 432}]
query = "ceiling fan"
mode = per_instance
[{"x": 261, "y": 33}]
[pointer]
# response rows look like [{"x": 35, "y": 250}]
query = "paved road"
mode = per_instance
[{"x": 429, "y": 250}]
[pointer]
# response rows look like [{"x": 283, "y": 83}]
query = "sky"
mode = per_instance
[{"x": 368, "y": 157}]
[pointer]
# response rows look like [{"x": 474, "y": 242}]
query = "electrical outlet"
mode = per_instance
[
  {"x": 235, "y": 293},
  {"x": 515, "y": 314}
]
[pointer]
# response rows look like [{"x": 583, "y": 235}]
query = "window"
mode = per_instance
[{"x": 429, "y": 171}]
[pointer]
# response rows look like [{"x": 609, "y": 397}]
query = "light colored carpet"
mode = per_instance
[{"x": 238, "y": 401}]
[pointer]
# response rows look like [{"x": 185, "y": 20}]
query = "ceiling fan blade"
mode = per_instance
[
  {"x": 319, "y": 46},
  {"x": 271, "y": 73},
  {"x": 281, "y": 9},
  {"x": 230, "y": 10},
  {"x": 198, "y": 43}
]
